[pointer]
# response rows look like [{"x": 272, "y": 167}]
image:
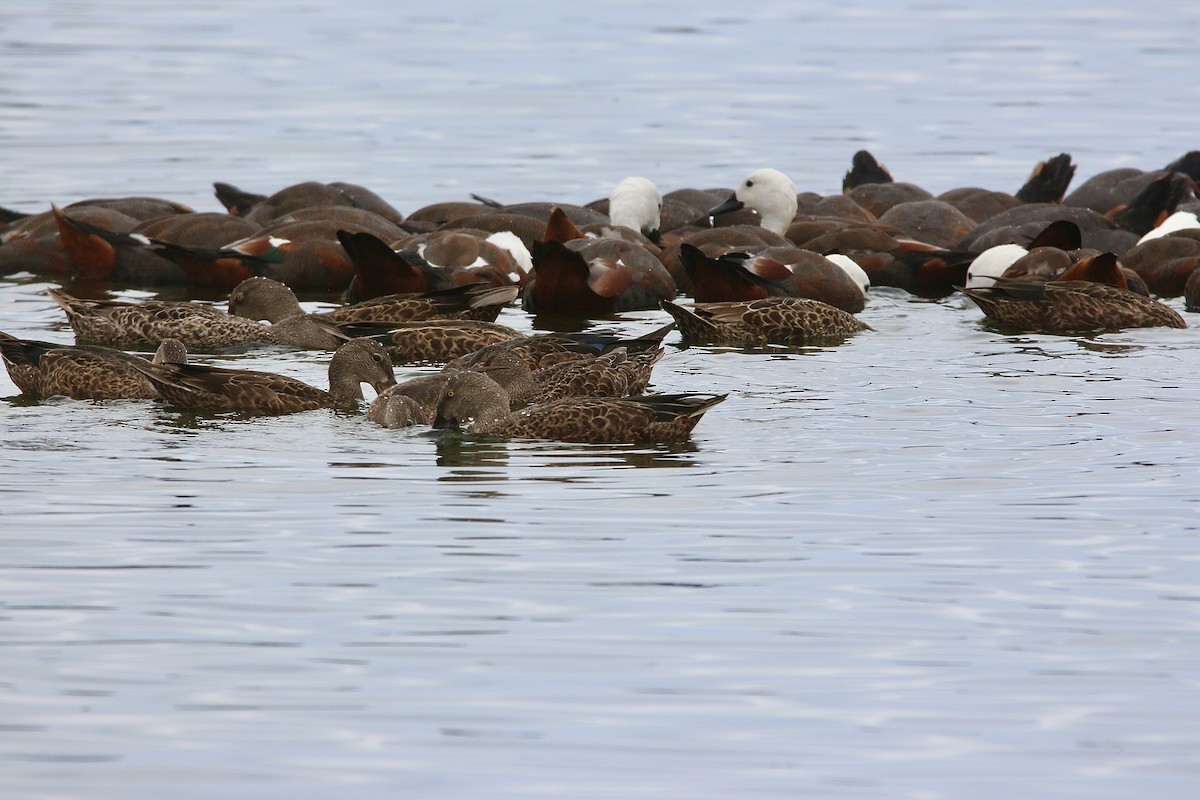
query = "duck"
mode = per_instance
[
  {"x": 1165, "y": 263},
  {"x": 1047, "y": 184},
  {"x": 263, "y": 298},
  {"x": 864, "y": 169},
  {"x": 82, "y": 372},
  {"x": 379, "y": 270},
  {"x": 1069, "y": 306},
  {"x": 542, "y": 350},
  {"x": 769, "y": 193},
  {"x": 115, "y": 323},
  {"x": 770, "y": 320},
  {"x": 95, "y": 253},
  {"x": 1109, "y": 191},
  {"x": 32, "y": 243},
  {"x": 875, "y": 254},
  {"x": 993, "y": 262},
  {"x": 414, "y": 401},
  {"x": 613, "y": 373},
  {"x": 775, "y": 272},
  {"x": 577, "y": 275},
  {"x": 498, "y": 258},
  {"x": 761, "y": 208},
  {"x": 264, "y": 209},
  {"x": 211, "y": 388},
  {"x": 1179, "y": 221},
  {"x": 616, "y": 373},
  {"x": 476, "y": 400},
  {"x": 636, "y": 203},
  {"x": 434, "y": 341}
]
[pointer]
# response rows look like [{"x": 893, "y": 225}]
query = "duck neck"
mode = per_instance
[
  {"x": 779, "y": 218},
  {"x": 344, "y": 388}
]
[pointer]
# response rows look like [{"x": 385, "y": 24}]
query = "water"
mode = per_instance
[{"x": 932, "y": 562}]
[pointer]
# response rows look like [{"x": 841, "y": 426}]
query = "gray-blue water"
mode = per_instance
[{"x": 933, "y": 562}]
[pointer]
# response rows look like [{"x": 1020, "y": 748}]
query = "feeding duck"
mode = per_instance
[
  {"x": 213, "y": 388},
  {"x": 475, "y": 399},
  {"x": 771, "y": 320},
  {"x": 83, "y": 372},
  {"x": 1068, "y": 306}
]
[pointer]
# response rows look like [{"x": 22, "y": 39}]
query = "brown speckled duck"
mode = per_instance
[
  {"x": 119, "y": 324},
  {"x": 434, "y": 341},
  {"x": 414, "y": 401},
  {"x": 474, "y": 398},
  {"x": 541, "y": 350},
  {"x": 82, "y": 372},
  {"x": 1068, "y": 306},
  {"x": 612, "y": 373},
  {"x": 251, "y": 392},
  {"x": 263, "y": 298},
  {"x": 771, "y": 320}
]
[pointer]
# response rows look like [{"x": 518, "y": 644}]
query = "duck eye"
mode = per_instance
[
  {"x": 449, "y": 393},
  {"x": 240, "y": 296},
  {"x": 749, "y": 184},
  {"x": 378, "y": 359}
]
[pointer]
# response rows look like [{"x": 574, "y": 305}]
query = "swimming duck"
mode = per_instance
[
  {"x": 774, "y": 272},
  {"x": 82, "y": 372},
  {"x": 212, "y": 388},
  {"x": 1165, "y": 263},
  {"x": 769, "y": 193},
  {"x": 414, "y": 401},
  {"x": 616, "y": 373},
  {"x": 263, "y": 298},
  {"x": 1069, "y": 306},
  {"x": 434, "y": 341},
  {"x": 474, "y": 398},
  {"x": 33, "y": 242},
  {"x": 120, "y": 324},
  {"x": 575, "y": 274},
  {"x": 636, "y": 203},
  {"x": 993, "y": 262},
  {"x": 541, "y": 350},
  {"x": 771, "y": 320},
  {"x": 263, "y": 209},
  {"x": 471, "y": 255}
]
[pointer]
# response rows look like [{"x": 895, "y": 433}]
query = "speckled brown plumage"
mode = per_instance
[
  {"x": 83, "y": 372},
  {"x": 421, "y": 394},
  {"x": 461, "y": 302},
  {"x": 771, "y": 320},
  {"x": 612, "y": 374},
  {"x": 542, "y": 350},
  {"x": 1066, "y": 306},
  {"x": 432, "y": 341},
  {"x": 270, "y": 300},
  {"x": 475, "y": 398},
  {"x": 252, "y": 392},
  {"x": 117, "y": 324}
]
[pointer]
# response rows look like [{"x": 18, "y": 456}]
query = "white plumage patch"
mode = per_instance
[
  {"x": 991, "y": 264},
  {"x": 851, "y": 268},
  {"x": 1179, "y": 221}
]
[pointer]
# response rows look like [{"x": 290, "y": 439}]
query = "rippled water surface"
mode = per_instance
[{"x": 932, "y": 562}]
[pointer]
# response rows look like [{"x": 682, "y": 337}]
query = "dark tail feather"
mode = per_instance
[
  {"x": 1049, "y": 181},
  {"x": 236, "y": 201}
]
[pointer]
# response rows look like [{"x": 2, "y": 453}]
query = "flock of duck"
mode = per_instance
[{"x": 762, "y": 264}]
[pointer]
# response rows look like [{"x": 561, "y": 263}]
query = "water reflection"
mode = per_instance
[{"x": 458, "y": 449}]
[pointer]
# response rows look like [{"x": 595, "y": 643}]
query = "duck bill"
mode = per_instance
[{"x": 732, "y": 204}]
